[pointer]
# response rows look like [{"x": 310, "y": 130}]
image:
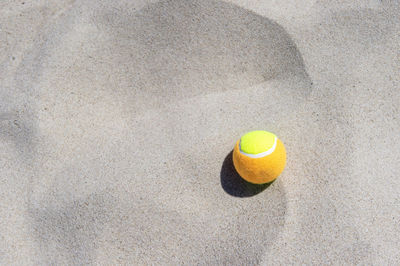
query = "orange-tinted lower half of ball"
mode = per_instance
[{"x": 260, "y": 170}]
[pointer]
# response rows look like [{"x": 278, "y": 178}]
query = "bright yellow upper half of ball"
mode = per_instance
[{"x": 257, "y": 141}]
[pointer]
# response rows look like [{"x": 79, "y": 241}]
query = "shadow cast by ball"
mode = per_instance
[{"x": 236, "y": 186}]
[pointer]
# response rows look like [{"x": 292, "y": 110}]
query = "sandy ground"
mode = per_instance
[{"x": 117, "y": 121}]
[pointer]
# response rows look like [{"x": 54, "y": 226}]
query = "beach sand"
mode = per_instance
[{"x": 118, "y": 118}]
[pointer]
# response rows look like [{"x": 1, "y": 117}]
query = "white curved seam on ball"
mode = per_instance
[{"x": 262, "y": 154}]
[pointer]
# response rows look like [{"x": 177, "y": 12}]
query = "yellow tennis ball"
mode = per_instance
[{"x": 259, "y": 157}]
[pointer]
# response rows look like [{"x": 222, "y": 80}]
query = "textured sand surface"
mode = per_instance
[{"x": 118, "y": 118}]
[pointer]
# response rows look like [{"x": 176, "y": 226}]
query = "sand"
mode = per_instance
[{"x": 118, "y": 118}]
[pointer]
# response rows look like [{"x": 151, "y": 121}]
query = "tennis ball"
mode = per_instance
[{"x": 259, "y": 157}]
